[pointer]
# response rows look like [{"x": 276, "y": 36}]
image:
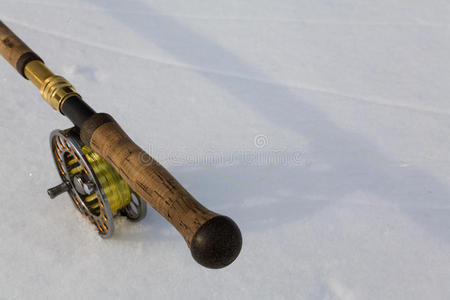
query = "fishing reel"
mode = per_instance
[{"x": 96, "y": 189}]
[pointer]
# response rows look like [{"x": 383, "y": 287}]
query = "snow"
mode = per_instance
[{"x": 321, "y": 127}]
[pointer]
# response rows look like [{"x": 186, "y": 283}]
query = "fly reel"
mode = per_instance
[{"x": 96, "y": 189}]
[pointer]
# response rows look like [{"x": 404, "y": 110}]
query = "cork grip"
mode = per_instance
[
  {"x": 215, "y": 240},
  {"x": 14, "y": 50}
]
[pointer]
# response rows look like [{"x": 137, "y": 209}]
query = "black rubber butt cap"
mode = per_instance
[{"x": 217, "y": 243}]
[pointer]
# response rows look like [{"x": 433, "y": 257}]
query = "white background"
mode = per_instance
[{"x": 344, "y": 196}]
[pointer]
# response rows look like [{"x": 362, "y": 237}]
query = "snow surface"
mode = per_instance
[{"x": 322, "y": 127}]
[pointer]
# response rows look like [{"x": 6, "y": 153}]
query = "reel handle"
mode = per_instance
[{"x": 215, "y": 241}]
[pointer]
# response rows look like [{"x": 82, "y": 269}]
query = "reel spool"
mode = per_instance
[{"x": 96, "y": 189}]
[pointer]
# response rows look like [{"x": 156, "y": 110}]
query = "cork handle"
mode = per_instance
[
  {"x": 14, "y": 50},
  {"x": 215, "y": 241}
]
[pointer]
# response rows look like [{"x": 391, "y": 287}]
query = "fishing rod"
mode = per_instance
[{"x": 106, "y": 174}]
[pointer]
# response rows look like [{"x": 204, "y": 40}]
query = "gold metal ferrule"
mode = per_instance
[{"x": 54, "y": 89}]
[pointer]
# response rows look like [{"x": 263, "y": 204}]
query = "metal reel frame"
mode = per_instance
[{"x": 67, "y": 146}]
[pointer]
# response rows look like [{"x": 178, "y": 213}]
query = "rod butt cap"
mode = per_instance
[{"x": 217, "y": 243}]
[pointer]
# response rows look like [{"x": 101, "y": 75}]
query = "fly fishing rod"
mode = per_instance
[{"x": 106, "y": 174}]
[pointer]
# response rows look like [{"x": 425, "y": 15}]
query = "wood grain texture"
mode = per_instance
[
  {"x": 12, "y": 48},
  {"x": 150, "y": 180}
]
